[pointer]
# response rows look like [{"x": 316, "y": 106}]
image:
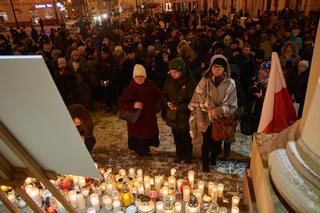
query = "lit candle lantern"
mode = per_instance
[
  {"x": 139, "y": 172},
  {"x": 21, "y": 204},
  {"x": 131, "y": 172},
  {"x": 98, "y": 190},
  {"x": 157, "y": 181},
  {"x": 94, "y": 199},
  {"x": 134, "y": 190},
  {"x": 91, "y": 210},
  {"x": 214, "y": 195},
  {"x": 235, "y": 201},
  {"x": 151, "y": 181},
  {"x": 159, "y": 207},
  {"x": 140, "y": 178},
  {"x": 109, "y": 189},
  {"x": 191, "y": 177},
  {"x": 103, "y": 186},
  {"x": 85, "y": 192},
  {"x": 146, "y": 179},
  {"x": 234, "y": 209},
  {"x": 186, "y": 193},
  {"x": 28, "y": 188},
  {"x": 116, "y": 206},
  {"x": 73, "y": 198},
  {"x": 177, "y": 207},
  {"x": 140, "y": 189},
  {"x": 12, "y": 197},
  {"x": 81, "y": 201},
  {"x": 206, "y": 198},
  {"x": 75, "y": 180},
  {"x": 109, "y": 171},
  {"x": 122, "y": 172},
  {"x": 211, "y": 185},
  {"x": 147, "y": 188},
  {"x": 165, "y": 192},
  {"x": 201, "y": 186},
  {"x": 35, "y": 196},
  {"x": 82, "y": 181},
  {"x": 223, "y": 210},
  {"x": 179, "y": 183},
  {"x": 220, "y": 190},
  {"x": 107, "y": 201},
  {"x": 198, "y": 194},
  {"x": 173, "y": 171},
  {"x": 172, "y": 182}
]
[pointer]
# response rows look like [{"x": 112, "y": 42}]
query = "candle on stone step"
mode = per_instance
[
  {"x": 177, "y": 207},
  {"x": 220, "y": 190},
  {"x": 179, "y": 182},
  {"x": 139, "y": 172},
  {"x": 157, "y": 182},
  {"x": 234, "y": 209},
  {"x": 173, "y": 171},
  {"x": 122, "y": 172},
  {"x": 116, "y": 206},
  {"x": 186, "y": 193},
  {"x": 223, "y": 210},
  {"x": 73, "y": 198},
  {"x": 34, "y": 193},
  {"x": 109, "y": 189},
  {"x": 91, "y": 210},
  {"x": 81, "y": 203},
  {"x": 107, "y": 202},
  {"x": 151, "y": 181},
  {"x": 191, "y": 177},
  {"x": 198, "y": 194},
  {"x": 172, "y": 182},
  {"x": 82, "y": 181},
  {"x": 140, "y": 189},
  {"x": 85, "y": 192},
  {"x": 165, "y": 192},
  {"x": 146, "y": 179},
  {"x": 94, "y": 199},
  {"x": 211, "y": 185},
  {"x": 235, "y": 201},
  {"x": 201, "y": 186},
  {"x": 147, "y": 188},
  {"x": 131, "y": 172},
  {"x": 159, "y": 207},
  {"x": 214, "y": 194}
]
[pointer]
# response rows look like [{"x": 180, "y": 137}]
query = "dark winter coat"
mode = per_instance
[
  {"x": 179, "y": 92},
  {"x": 150, "y": 96}
]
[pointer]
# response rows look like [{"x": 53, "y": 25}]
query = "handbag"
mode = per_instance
[
  {"x": 223, "y": 129},
  {"x": 130, "y": 116}
]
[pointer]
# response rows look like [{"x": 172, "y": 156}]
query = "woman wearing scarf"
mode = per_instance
[
  {"x": 215, "y": 97},
  {"x": 177, "y": 93}
]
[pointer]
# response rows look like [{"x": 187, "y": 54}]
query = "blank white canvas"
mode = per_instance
[{"x": 33, "y": 111}]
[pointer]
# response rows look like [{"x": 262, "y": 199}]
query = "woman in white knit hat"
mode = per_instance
[{"x": 141, "y": 93}]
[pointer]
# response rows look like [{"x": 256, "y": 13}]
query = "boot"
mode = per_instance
[{"x": 178, "y": 157}]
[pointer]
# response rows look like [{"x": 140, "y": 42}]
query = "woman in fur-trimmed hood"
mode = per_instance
[{"x": 214, "y": 97}]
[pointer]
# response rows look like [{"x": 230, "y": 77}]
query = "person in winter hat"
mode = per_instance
[{"x": 177, "y": 92}]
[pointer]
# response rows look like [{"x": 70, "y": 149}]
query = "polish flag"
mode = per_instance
[{"x": 278, "y": 111}]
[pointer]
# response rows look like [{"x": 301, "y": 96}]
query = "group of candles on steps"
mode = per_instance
[{"x": 130, "y": 192}]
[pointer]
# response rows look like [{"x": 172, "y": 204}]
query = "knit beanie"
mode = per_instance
[
  {"x": 221, "y": 62},
  {"x": 139, "y": 70},
  {"x": 266, "y": 66},
  {"x": 177, "y": 64}
]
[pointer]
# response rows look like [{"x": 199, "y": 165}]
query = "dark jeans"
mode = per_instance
[
  {"x": 90, "y": 142},
  {"x": 182, "y": 140}
]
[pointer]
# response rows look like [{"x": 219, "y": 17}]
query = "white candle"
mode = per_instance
[
  {"x": 91, "y": 210},
  {"x": 179, "y": 182},
  {"x": 157, "y": 181},
  {"x": 116, "y": 206},
  {"x": 235, "y": 201},
  {"x": 206, "y": 198},
  {"x": 139, "y": 172},
  {"x": 134, "y": 190},
  {"x": 107, "y": 201},
  {"x": 109, "y": 189},
  {"x": 98, "y": 190},
  {"x": 186, "y": 193},
  {"x": 81, "y": 201},
  {"x": 173, "y": 171},
  {"x": 147, "y": 188},
  {"x": 234, "y": 209},
  {"x": 151, "y": 181},
  {"x": 85, "y": 192},
  {"x": 28, "y": 188},
  {"x": 94, "y": 199},
  {"x": 159, "y": 206},
  {"x": 198, "y": 194},
  {"x": 191, "y": 177},
  {"x": 131, "y": 172},
  {"x": 172, "y": 182},
  {"x": 177, "y": 207},
  {"x": 190, "y": 209},
  {"x": 201, "y": 186},
  {"x": 73, "y": 198},
  {"x": 35, "y": 196},
  {"x": 146, "y": 179},
  {"x": 214, "y": 195},
  {"x": 140, "y": 189},
  {"x": 223, "y": 210},
  {"x": 220, "y": 190},
  {"x": 75, "y": 180},
  {"x": 82, "y": 181},
  {"x": 165, "y": 191},
  {"x": 122, "y": 172},
  {"x": 211, "y": 185},
  {"x": 140, "y": 178},
  {"x": 109, "y": 171}
]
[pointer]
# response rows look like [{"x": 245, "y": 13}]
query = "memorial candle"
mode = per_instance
[
  {"x": 109, "y": 189},
  {"x": 177, "y": 207},
  {"x": 122, "y": 172},
  {"x": 29, "y": 180},
  {"x": 201, "y": 186},
  {"x": 81, "y": 201},
  {"x": 140, "y": 189},
  {"x": 191, "y": 177},
  {"x": 179, "y": 183},
  {"x": 223, "y": 210},
  {"x": 147, "y": 188},
  {"x": 173, "y": 171},
  {"x": 75, "y": 180},
  {"x": 116, "y": 206},
  {"x": 91, "y": 210},
  {"x": 85, "y": 192},
  {"x": 131, "y": 172},
  {"x": 159, "y": 207},
  {"x": 157, "y": 181},
  {"x": 211, "y": 185},
  {"x": 82, "y": 181},
  {"x": 165, "y": 192},
  {"x": 151, "y": 181},
  {"x": 198, "y": 194},
  {"x": 214, "y": 194},
  {"x": 94, "y": 199},
  {"x": 12, "y": 197},
  {"x": 73, "y": 198},
  {"x": 172, "y": 182},
  {"x": 186, "y": 193},
  {"x": 235, "y": 201},
  {"x": 234, "y": 209},
  {"x": 139, "y": 172},
  {"x": 35, "y": 196},
  {"x": 220, "y": 190},
  {"x": 146, "y": 179},
  {"x": 107, "y": 201}
]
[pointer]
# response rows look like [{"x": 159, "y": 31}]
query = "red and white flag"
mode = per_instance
[{"x": 278, "y": 111}]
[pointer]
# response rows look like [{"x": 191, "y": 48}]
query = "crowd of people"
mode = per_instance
[{"x": 193, "y": 69}]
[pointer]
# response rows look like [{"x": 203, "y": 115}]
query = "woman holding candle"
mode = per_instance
[
  {"x": 142, "y": 94},
  {"x": 214, "y": 97},
  {"x": 177, "y": 93}
]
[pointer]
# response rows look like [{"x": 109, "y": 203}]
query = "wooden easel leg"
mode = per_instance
[
  {"x": 7, "y": 203},
  {"x": 28, "y": 199}
]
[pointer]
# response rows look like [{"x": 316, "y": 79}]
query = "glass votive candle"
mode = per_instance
[
  {"x": 223, "y": 210},
  {"x": 82, "y": 181},
  {"x": 177, "y": 207},
  {"x": 235, "y": 201},
  {"x": 91, "y": 210},
  {"x": 122, "y": 172},
  {"x": 173, "y": 171},
  {"x": 81, "y": 203},
  {"x": 94, "y": 199},
  {"x": 21, "y": 203},
  {"x": 139, "y": 172},
  {"x": 73, "y": 198},
  {"x": 220, "y": 190},
  {"x": 235, "y": 209},
  {"x": 159, "y": 207},
  {"x": 186, "y": 193},
  {"x": 131, "y": 172},
  {"x": 85, "y": 192},
  {"x": 107, "y": 201},
  {"x": 116, "y": 206}
]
